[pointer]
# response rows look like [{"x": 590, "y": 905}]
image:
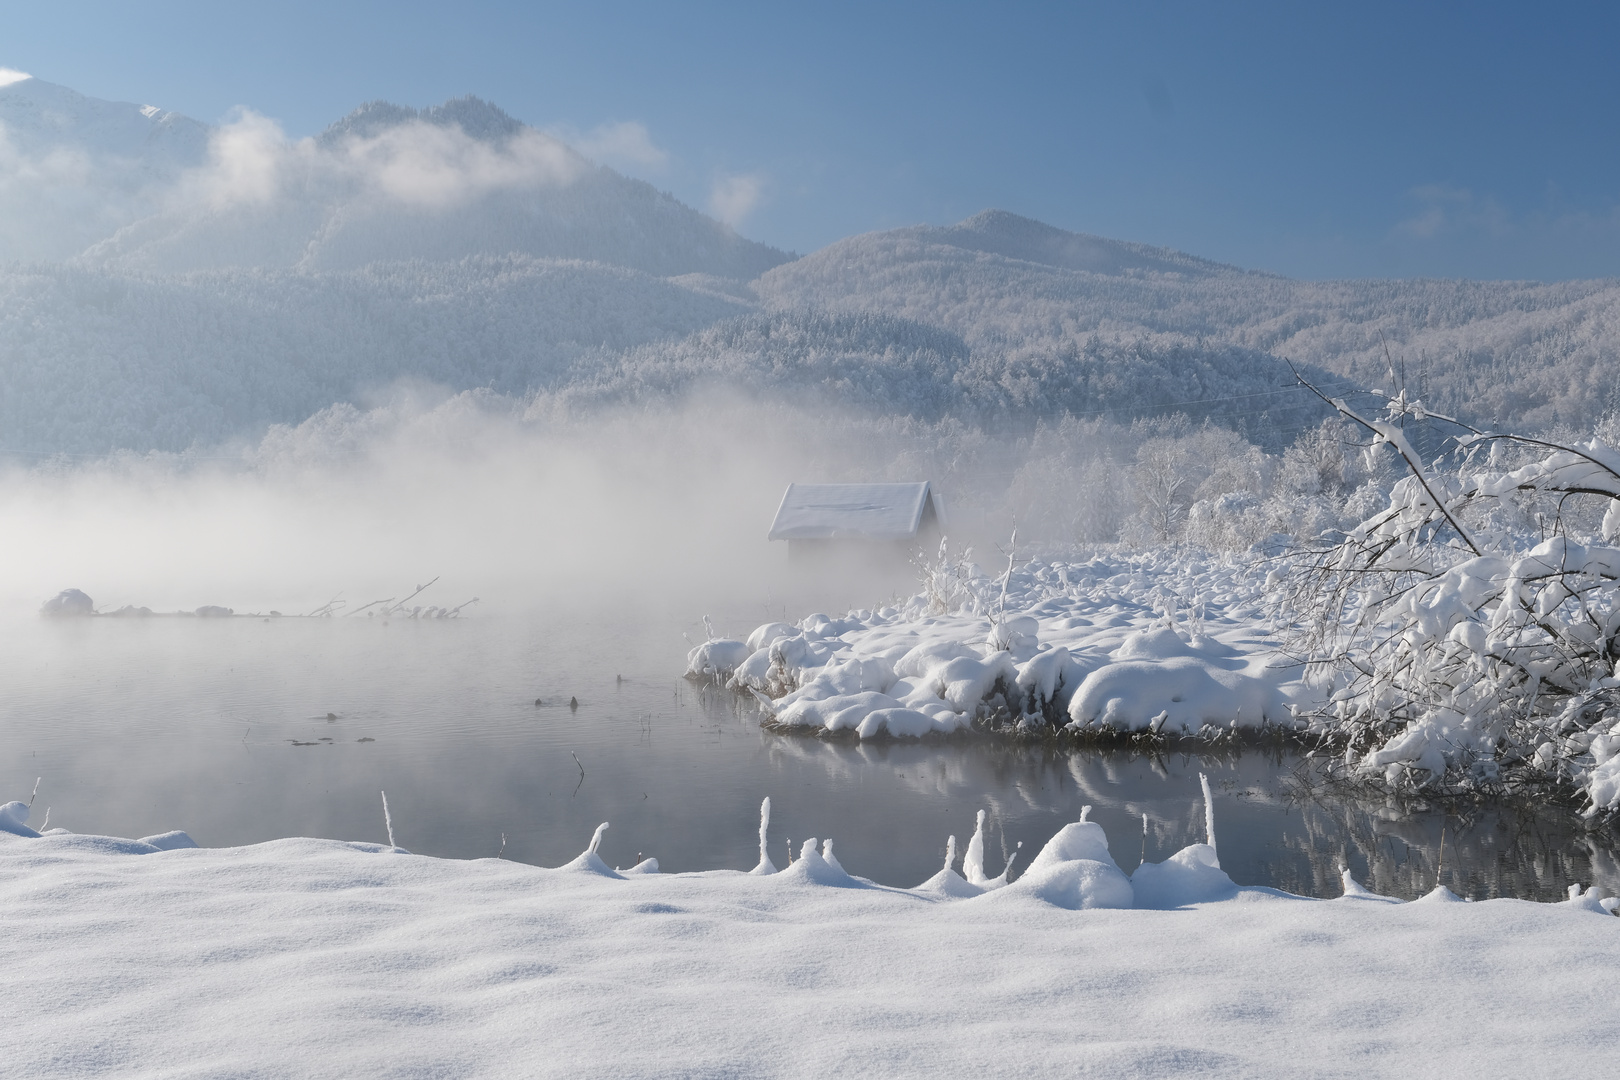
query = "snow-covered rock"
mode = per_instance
[{"x": 68, "y": 602}]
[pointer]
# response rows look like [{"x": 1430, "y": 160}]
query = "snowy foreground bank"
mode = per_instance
[{"x": 313, "y": 958}]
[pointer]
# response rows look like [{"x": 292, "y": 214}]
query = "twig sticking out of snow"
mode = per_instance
[
  {"x": 35, "y": 795},
  {"x": 1440, "y": 856},
  {"x": 828, "y": 857},
  {"x": 596, "y": 838},
  {"x": 388, "y": 820},
  {"x": 501, "y": 852},
  {"x": 1006, "y": 870},
  {"x": 950, "y": 850},
  {"x": 1001, "y": 602},
  {"x": 1209, "y": 817},
  {"x": 47, "y": 822},
  {"x": 765, "y": 865},
  {"x": 973, "y": 861}
]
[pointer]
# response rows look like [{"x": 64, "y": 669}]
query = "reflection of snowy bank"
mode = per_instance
[
  {"x": 318, "y": 958},
  {"x": 1162, "y": 643}
]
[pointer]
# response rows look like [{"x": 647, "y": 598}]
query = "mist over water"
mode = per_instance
[{"x": 364, "y": 505}]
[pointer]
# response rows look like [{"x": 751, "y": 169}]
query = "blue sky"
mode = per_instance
[{"x": 1316, "y": 140}]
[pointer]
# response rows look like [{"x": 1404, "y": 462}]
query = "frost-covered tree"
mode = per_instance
[
  {"x": 1161, "y": 482},
  {"x": 1467, "y": 648}
]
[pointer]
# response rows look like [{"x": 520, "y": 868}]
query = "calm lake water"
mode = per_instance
[{"x": 242, "y": 730}]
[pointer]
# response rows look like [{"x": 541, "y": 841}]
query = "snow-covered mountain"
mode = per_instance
[
  {"x": 40, "y": 117},
  {"x": 996, "y": 232},
  {"x": 1023, "y": 294},
  {"x": 164, "y": 282},
  {"x": 388, "y": 182},
  {"x": 132, "y": 187},
  {"x": 74, "y": 169}
]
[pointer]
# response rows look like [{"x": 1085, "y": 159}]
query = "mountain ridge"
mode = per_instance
[{"x": 1001, "y": 232}]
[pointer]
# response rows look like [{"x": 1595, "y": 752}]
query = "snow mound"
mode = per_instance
[
  {"x": 1192, "y": 875},
  {"x": 589, "y": 862},
  {"x": 948, "y": 884},
  {"x": 14, "y": 819},
  {"x": 716, "y": 659},
  {"x": 814, "y": 868},
  {"x": 1075, "y": 871}
]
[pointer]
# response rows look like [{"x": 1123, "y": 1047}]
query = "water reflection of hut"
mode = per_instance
[{"x": 878, "y": 519}]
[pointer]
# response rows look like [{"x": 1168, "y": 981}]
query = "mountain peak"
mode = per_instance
[
  {"x": 473, "y": 115},
  {"x": 41, "y": 117},
  {"x": 1000, "y": 232}
]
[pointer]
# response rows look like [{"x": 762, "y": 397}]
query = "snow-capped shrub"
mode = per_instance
[
  {"x": 1467, "y": 652},
  {"x": 1230, "y": 521}
]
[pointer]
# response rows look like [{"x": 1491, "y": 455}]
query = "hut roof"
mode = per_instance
[{"x": 853, "y": 511}]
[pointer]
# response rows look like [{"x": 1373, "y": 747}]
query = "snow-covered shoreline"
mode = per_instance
[
  {"x": 307, "y": 958},
  {"x": 1165, "y": 642},
  {"x": 1167, "y": 645}
]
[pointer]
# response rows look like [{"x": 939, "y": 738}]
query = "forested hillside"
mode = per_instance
[
  {"x": 1522, "y": 352},
  {"x": 94, "y": 361}
]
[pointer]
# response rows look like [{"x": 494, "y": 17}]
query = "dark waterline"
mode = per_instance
[{"x": 240, "y": 731}]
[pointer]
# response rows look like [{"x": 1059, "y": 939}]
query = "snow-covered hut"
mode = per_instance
[{"x": 822, "y": 517}]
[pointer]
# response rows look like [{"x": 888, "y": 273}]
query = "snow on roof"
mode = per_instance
[{"x": 859, "y": 511}]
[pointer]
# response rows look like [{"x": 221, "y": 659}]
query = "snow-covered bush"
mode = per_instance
[
  {"x": 951, "y": 582},
  {"x": 1468, "y": 630}
]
